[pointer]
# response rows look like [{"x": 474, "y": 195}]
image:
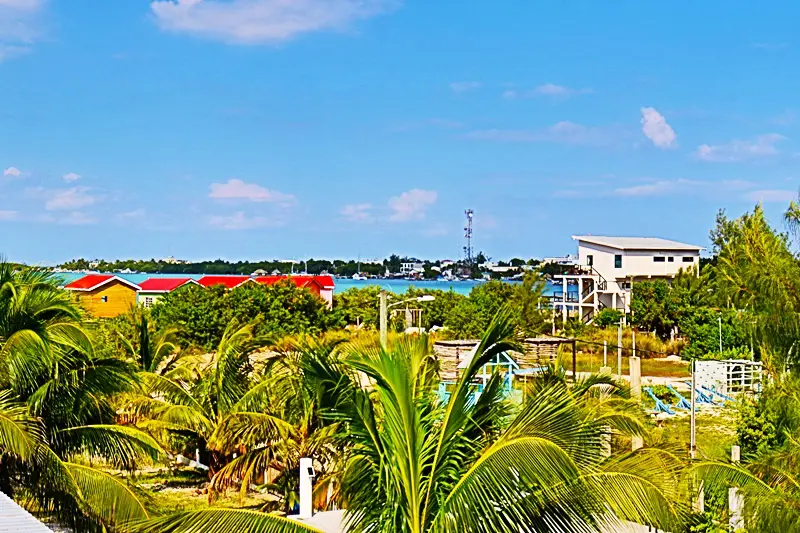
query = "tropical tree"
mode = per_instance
[
  {"x": 153, "y": 352},
  {"x": 419, "y": 463},
  {"x": 210, "y": 399},
  {"x": 55, "y": 408}
]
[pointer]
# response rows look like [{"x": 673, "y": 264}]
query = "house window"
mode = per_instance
[
  {"x": 104, "y": 299},
  {"x": 148, "y": 301},
  {"x": 658, "y": 259},
  {"x": 590, "y": 260},
  {"x": 688, "y": 259},
  {"x": 671, "y": 259},
  {"x": 618, "y": 261}
]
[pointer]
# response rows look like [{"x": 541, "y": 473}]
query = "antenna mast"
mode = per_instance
[{"x": 468, "y": 237}]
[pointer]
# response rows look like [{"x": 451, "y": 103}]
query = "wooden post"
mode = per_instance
[
  {"x": 735, "y": 502},
  {"x": 574, "y": 361}
]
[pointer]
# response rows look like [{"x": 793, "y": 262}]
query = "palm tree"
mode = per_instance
[
  {"x": 210, "y": 400},
  {"x": 154, "y": 354},
  {"x": 417, "y": 464},
  {"x": 55, "y": 408},
  {"x": 792, "y": 217},
  {"x": 293, "y": 389}
]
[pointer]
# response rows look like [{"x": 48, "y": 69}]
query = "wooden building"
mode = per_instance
[{"x": 104, "y": 295}]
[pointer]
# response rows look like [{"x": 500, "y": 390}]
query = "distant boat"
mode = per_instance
[{"x": 359, "y": 277}]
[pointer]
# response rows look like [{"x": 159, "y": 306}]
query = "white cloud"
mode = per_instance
[
  {"x": 357, "y": 212},
  {"x": 740, "y": 150},
  {"x": 6, "y": 215},
  {"x": 69, "y": 177},
  {"x": 18, "y": 27},
  {"x": 464, "y": 86},
  {"x": 238, "y": 221},
  {"x": 655, "y": 128},
  {"x": 77, "y": 218},
  {"x": 411, "y": 205},
  {"x": 69, "y": 199},
  {"x": 548, "y": 89},
  {"x": 772, "y": 195},
  {"x": 235, "y": 189},
  {"x": 13, "y": 172},
  {"x": 564, "y": 132},
  {"x": 263, "y": 21},
  {"x": 681, "y": 186}
]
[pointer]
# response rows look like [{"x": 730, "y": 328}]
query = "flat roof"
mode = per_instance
[{"x": 637, "y": 243}]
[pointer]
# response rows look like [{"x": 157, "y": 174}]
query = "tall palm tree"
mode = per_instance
[
  {"x": 417, "y": 464},
  {"x": 55, "y": 408},
  {"x": 792, "y": 216},
  {"x": 154, "y": 353}
]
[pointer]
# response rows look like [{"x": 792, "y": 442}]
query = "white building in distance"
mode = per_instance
[{"x": 608, "y": 266}]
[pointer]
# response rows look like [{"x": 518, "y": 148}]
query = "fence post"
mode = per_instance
[{"x": 735, "y": 501}]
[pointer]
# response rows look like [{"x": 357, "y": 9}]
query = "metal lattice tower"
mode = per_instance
[{"x": 468, "y": 237}]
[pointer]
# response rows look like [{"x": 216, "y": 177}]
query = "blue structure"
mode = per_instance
[
  {"x": 683, "y": 403},
  {"x": 722, "y": 396},
  {"x": 660, "y": 406},
  {"x": 700, "y": 396}
]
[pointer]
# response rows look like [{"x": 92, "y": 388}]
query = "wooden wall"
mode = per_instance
[{"x": 120, "y": 298}]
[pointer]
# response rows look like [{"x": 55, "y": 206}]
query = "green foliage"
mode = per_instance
[
  {"x": 702, "y": 327},
  {"x": 607, "y": 318},
  {"x": 201, "y": 314},
  {"x": 654, "y": 307}
]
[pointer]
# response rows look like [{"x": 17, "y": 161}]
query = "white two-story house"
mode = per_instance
[{"x": 608, "y": 266}]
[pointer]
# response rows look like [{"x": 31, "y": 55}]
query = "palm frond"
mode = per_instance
[
  {"x": 223, "y": 521},
  {"x": 123, "y": 446}
]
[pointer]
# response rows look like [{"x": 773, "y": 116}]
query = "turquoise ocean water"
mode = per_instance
[{"x": 396, "y": 286}]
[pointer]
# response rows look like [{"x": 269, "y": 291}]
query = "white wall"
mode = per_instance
[{"x": 635, "y": 263}]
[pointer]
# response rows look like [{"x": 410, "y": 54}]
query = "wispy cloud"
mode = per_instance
[
  {"x": 772, "y": 195},
  {"x": 240, "y": 221},
  {"x": 770, "y": 46},
  {"x": 19, "y": 27},
  {"x": 548, "y": 89},
  {"x": 411, "y": 205},
  {"x": 235, "y": 189},
  {"x": 464, "y": 86},
  {"x": 12, "y": 172},
  {"x": 8, "y": 215},
  {"x": 263, "y": 21},
  {"x": 69, "y": 177},
  {"x": 357, "y": 212},
  {"x": 681, "y": 186},
  {"x": 740, "y": 150},
  {"x": 562, "y": 132},
  {"x": 77, "y": 218},
  {"x": 655, "y": 128},
  {"x": 73, "y": 198}
]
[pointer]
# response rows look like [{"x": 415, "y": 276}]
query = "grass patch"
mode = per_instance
[{"x": 588, "y": 362}]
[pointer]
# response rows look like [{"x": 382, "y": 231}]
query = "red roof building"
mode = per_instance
[
  {"x": 104, "y": 295},
  {"x": 228, "y": 281},
  {"x": 322, "y": 286},
  {"x": 162, "y": 285}
]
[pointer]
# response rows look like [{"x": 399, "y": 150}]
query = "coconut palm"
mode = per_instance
[
  {"x": 418, "y": 464},
  {"x": 55, "y": 408},
  {"x": 210, "y": 399},
  {"x": 792, "y": 217},
  {"x": 155, "y": 353},
  {"x": 293, "y": 389}
]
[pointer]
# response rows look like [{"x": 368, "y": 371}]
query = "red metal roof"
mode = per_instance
[
  {"x": 323, "y": 282},
  {"x": 229, "y": 281},
  {"x": 93, "y": 281},
  {"x": 164, "y": 284}
]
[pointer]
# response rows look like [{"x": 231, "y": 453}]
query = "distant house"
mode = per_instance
[
  {"x": 230, "y": 282},
  {"x": 151, "y": 290},
  {"x": 609, "y": 266},
  {"x": 104, "y": 295},
  {"x": 322, "y": 286}
]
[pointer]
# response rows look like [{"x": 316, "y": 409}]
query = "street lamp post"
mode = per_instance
[
  {"x": 384, "y": 311},
  {"x": 719, "y": 320}
]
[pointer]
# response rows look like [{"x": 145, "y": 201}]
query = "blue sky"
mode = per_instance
[{"x": 249, "y": 129}]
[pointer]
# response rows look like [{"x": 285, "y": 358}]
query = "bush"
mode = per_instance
[{"x": 607, "y": 317}]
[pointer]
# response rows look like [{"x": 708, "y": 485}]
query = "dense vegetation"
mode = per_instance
[{"x": 255, "y": 378}]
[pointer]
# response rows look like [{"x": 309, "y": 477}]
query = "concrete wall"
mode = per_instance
[{"x": 635, "y": 263}]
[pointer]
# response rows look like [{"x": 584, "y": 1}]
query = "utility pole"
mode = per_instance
[
  {"x": 692, "y": 421},
  {"x": 619, "y": 350},
  {"x": 719, "y": 320},
  {"x": 384, "y": 297}
]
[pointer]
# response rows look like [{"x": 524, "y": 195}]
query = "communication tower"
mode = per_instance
[{"x": 468, "y": 237}]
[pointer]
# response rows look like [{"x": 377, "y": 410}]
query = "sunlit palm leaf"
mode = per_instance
[{"x": 223, "y": 521}]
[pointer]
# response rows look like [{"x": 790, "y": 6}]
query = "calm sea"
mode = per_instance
[{"x": 397, "y": 286}]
